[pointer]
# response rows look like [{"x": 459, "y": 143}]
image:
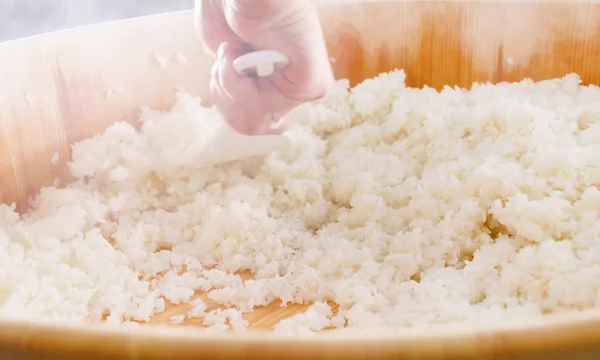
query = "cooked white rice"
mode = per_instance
[{"x": 406, "y": 207}]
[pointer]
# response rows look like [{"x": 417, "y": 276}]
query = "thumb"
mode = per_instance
[{"x": 231, "y": 91}]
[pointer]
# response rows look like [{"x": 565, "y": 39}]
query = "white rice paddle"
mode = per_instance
[{"x": 226, "y": 144}]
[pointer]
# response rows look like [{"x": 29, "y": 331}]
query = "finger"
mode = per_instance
[
  {"x": 211, "y": 26},
  {"x": 265, "y": 101},
  {"x": 248, "y": 104},
  {"x": 234, "y": 112},
  {"x": 270, "y": 128},
  {"x": 248, "y": 116},
  {"x": 285, "y": 121},
  {"x": 308, "y": 76},
  {"x": 258, "y": 93},
  {"x": 237, "y": 86}
]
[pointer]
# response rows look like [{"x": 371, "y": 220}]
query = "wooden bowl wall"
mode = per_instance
[{"x": 63, "y": 87}]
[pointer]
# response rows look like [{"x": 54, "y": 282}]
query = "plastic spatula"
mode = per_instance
[{"x": 225, "y": 144}]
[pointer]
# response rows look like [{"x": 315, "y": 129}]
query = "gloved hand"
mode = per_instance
[{"x": 231, "y": 28}]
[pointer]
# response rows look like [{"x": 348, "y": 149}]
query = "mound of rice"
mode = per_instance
[{"x": 406, "y": 207}]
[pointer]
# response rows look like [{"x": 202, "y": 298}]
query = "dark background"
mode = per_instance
[{"x": 21, "y": 18}]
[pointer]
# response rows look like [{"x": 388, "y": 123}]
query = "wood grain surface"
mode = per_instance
[{"x": 63, "y": 87}]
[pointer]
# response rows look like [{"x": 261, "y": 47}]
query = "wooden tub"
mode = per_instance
[{"x": 63, "y": 87}]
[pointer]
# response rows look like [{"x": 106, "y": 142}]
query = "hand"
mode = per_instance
[{"x": 231, "y": 28}]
